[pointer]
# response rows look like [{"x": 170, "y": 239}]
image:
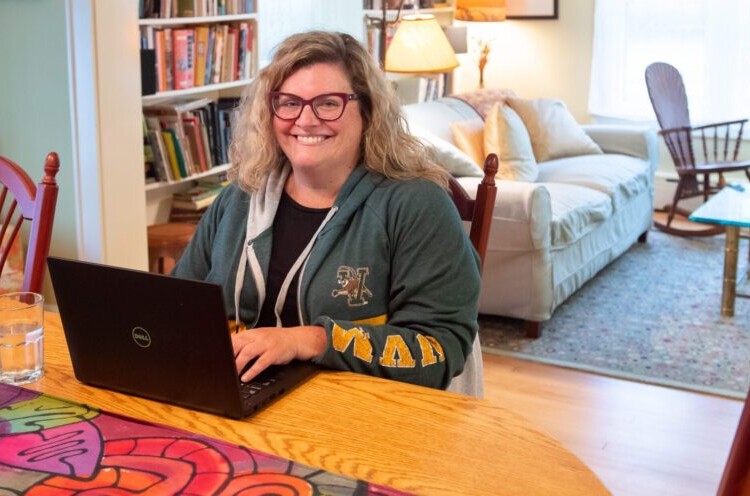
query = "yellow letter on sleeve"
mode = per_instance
[
  {"x": 342, "y": 338},
  {"x": 430, "y": 347},
  {"x": 395, "y": 345}
]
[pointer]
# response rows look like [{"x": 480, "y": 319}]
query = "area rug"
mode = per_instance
[{"x": 653, "y": 315}]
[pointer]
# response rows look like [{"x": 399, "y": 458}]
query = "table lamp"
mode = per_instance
[
  {"x": 481, "y": 11},
  {"x": 420, "y": 46}
]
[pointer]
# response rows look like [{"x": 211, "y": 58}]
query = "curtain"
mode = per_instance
[{"x": 708, "y": 41}]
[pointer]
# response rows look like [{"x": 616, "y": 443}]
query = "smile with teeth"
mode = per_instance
[{"x": 311, "y": 140}]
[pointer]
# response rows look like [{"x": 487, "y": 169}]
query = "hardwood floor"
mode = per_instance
[{"x": 638, "y": 438}]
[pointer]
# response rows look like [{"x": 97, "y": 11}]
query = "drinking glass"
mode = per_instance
[{"x": 21, "y": 337}]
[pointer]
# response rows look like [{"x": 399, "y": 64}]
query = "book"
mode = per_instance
[
  {"x": 201, "y": 53},
  {"x": 193, "y": 204},
  {"x": 169, "y": 144},
  {"x": 220, "y": 38},
  {"x": 186, "y": 215},
  {"x": 183, "y": 58},
  {"x": 185, "y": 8},
  {"x": 195, "y": 139},
  {"x": 242, "y": 51},
  {"x": 168, "y": 56},
  {"x": 208, "y": 74},
  {"x": 201, "y": 191},
  {"x": 207, "y": 146},
  {"x": 149, "y": 167},
  {"x": 162, "y": 168},
  {"x": 226, "y": 115},
  {"x": 161, "y": 63}
]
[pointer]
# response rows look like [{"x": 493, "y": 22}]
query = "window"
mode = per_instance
[{"x": 708, "y": 41}]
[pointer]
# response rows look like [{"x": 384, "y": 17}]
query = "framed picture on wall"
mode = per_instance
[{"x": 531, "y": 9}]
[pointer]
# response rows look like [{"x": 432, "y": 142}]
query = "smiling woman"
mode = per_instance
[{"x": 324, "y": 240}]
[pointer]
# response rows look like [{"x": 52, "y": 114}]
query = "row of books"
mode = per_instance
[
  {"x": 186, "y": 57},
  {"x": 187, "y": 138},
  {"x": 166, "y": 9}
]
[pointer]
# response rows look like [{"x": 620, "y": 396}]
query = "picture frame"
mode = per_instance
[{"x": 531, "y": 9}]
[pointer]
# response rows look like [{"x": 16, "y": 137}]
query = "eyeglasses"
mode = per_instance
[{"x": 326, "y": 107}]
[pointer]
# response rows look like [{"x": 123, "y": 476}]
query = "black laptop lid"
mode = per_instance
[{"x": 147, "y": 334}]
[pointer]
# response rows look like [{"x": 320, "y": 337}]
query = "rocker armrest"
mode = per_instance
[
  {"x": 737, "y": 122},
  {"x": 636, "y": 141},
  {"x": 706, "y": 136}
]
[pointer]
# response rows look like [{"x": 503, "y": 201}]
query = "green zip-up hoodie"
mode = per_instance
[{"x": 391, "y": 275}]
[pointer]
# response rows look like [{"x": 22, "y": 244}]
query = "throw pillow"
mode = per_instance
[
  {"x": 448, "y": 156},
  {"x": 553, "y": 131},
  {"x": 483, "y": 100},
  {"x": 469, "y": 138},
  {"x": 506, "y": 135}
]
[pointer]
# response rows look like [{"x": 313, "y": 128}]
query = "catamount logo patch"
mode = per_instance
[{"x": 351, "y": 283}]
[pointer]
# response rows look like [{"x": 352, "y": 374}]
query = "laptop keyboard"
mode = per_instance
[{"x": 263, "y": 380}]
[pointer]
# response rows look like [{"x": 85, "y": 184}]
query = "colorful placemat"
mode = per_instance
[{"x": 53, "y": 446}]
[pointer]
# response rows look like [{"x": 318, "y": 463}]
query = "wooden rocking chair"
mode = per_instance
[{"x": 718, "y": 151}]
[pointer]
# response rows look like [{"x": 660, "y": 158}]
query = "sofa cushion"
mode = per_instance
[
  {"x": 506, "y": 136},
  {"x": 468, "y": 136},
  {"x": 553, "y": 131},
  {"x": 448, "y": 156},
  {"x": 619, "y": 176},
  {"x": 576, "y": 211}
]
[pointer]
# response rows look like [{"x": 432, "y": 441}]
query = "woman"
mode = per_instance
[{"x": 336, "y": 240}]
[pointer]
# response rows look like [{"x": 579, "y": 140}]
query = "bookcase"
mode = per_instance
[
  {"x": 200, "y": 65},
  {"x": 110, "y": 204}
]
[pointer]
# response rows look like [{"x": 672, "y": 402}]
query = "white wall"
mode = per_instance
[
  {"x": 537, "y": 58},
  {"x": 35, "y": 114},
  {"x": 280, "y": 18}
]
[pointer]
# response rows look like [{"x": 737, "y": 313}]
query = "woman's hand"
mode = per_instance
[{"x": 275, "y": 346}]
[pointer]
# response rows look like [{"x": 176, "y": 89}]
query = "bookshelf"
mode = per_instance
[
  {"x": 109, "y": 204},
  {"x": 218, "y": 83}
]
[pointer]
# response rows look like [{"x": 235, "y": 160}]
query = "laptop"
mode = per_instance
[{"x": 159, "y": 337}]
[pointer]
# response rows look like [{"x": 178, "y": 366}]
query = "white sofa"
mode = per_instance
[{"x": 550, "y": 236}]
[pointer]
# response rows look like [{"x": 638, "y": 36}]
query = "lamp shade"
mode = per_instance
[
  {"x": 480, "y": 10},
  {"x": 419, "y": 46}
]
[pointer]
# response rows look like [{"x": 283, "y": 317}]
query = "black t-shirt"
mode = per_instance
[{"x": 293, "y": 227}]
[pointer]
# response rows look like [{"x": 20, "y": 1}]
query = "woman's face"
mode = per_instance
[{"x": 312, "y": 143}]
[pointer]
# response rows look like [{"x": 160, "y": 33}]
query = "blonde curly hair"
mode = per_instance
[{"x": 386, "y": 148}]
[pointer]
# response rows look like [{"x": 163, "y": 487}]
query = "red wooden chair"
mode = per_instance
[
  {"x": 736, "y": 478},
  {"x": 718, "y": 151},
  {"x": 21, "y": 201},
  {"x": 479, "y": 210}
]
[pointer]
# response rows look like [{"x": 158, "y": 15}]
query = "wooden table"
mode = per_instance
[
  {"x": 408, "y": 437},
  {"x": 730, "y": 208}
]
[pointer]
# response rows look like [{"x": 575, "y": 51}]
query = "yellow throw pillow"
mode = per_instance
[
  {"x": 468, "y": 136},
  {"x": 506, "y": 136},
  {"x": 553, "y": 131}
]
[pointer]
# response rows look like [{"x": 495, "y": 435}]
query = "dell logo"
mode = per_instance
[{"x": 141, "y": 337}]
